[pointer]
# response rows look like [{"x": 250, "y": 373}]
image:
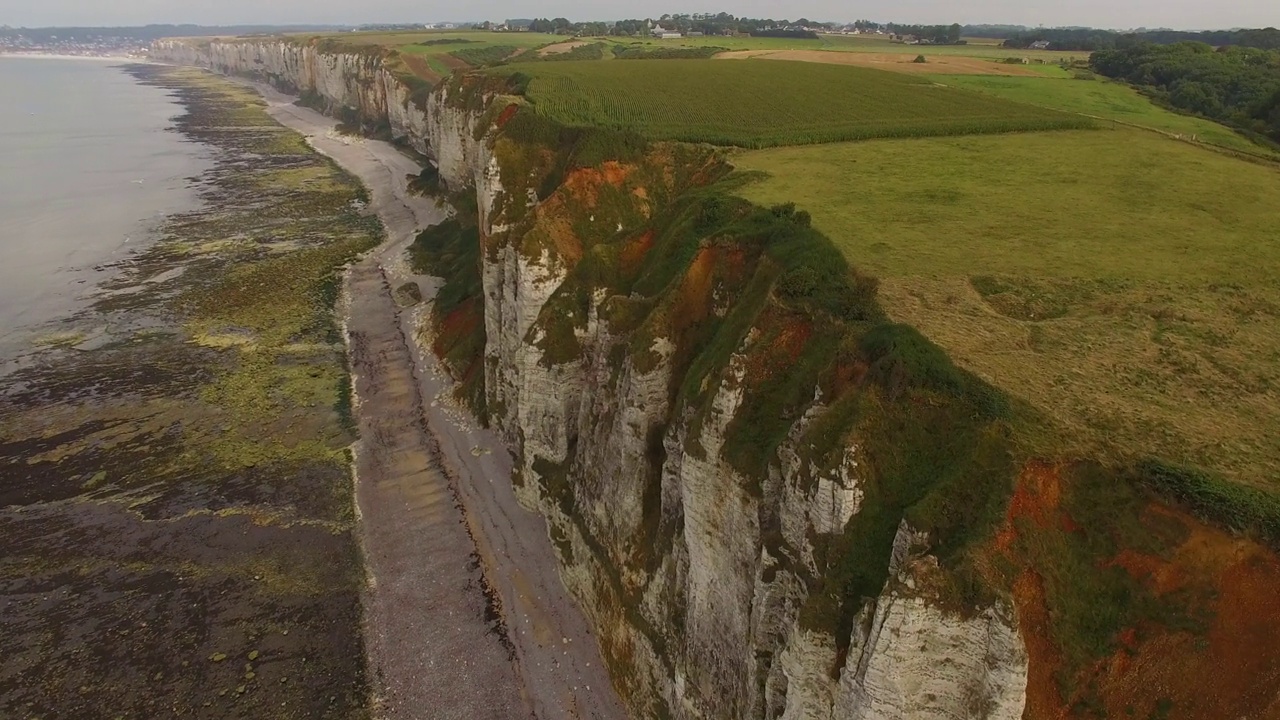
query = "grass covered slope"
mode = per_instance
[
  {"x": 1120, "y": 282},
  {"x": 763, "y": 104}
]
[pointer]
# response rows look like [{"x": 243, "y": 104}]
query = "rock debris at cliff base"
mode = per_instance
[{"x": 481, "y": 605}]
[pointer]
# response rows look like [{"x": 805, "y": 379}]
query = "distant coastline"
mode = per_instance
[{"x": 64, "y": 56}]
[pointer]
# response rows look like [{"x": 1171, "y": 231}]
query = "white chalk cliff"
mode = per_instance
[{"x": 707, "y": 624}]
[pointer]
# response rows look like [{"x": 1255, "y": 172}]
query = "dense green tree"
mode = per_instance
[{"x": 1234, "y": 85}]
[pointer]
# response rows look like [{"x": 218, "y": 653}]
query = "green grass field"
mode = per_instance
[
  {"x": 763, "y": 104},
  {"x": 1104, "y": 99},
  {"x": 1120, "y": 282}
]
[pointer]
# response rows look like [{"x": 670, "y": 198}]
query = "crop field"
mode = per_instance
[
  {"x": 764, "y": 104},
  {"x": 1105, "y": 99},
  {"x": 859, "y": 43},
  {"x": 1118, "y": 282}
]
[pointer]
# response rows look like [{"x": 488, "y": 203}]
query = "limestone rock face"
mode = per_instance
[
  {"x": 914, "y": 660},
  {"x": 704, "y": 623}
]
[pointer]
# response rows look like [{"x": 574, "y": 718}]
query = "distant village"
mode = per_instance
[
  {"x": 695, "y": 25},
  {"x": 95, "y": 46}
]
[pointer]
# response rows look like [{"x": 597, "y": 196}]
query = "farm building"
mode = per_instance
[
  {"x": 661, "y": 34},
  {"x": 1040, "y": 45}
]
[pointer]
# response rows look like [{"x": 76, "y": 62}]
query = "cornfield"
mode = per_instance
[{"x": 765, "y": 103}]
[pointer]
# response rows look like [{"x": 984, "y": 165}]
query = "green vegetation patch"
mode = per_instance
[
  {"x": 1242, "y": 509},
  {"x": 451, "y": 250},
  {"x": 930, "y": 458},
  {"x": 761, "y": 104},
  {"x": 638, "y": 51}
]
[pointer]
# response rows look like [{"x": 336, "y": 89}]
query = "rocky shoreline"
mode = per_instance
[{"x": 176, "y": 517}]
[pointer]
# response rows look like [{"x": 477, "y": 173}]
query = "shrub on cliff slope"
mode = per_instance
[{"x": 451, "y": 250}]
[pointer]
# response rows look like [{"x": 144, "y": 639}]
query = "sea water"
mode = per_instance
[{"x": 89, "y": 168}]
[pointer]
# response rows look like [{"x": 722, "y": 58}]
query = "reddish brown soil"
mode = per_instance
[
  {"x": 459, "y": 326},
  {"x": 847, "y": 375},
  {"x": 1036, "y": 496},
  {"x": 452, "y": 62},
  {"x": 585, "y": 183},
  {"x": 784, "y": 337},
  {"x": 1228, "y": 667},
  {"x": 507, "y": 113},
  {"x": 634, "y": 252},
  {"x": 1043, "y": 699},
  {"x": 418, "y": 66},
  {"x": 581, "y": 192},
  {"x": 695, "y": 291}
]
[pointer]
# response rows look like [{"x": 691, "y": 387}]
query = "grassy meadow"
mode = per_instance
[
  {"x": 1103, "y": 99},
  {"x": 1119, "y": 282},
  {"x": 762, "y": 104}
]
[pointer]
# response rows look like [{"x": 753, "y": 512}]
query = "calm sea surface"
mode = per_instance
[{"x": 87, "y": 172}]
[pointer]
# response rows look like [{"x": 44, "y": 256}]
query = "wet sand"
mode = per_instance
[{"x": 435, "y": 493}]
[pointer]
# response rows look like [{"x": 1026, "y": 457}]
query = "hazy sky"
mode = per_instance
[{"x": 1181, "y": 14}]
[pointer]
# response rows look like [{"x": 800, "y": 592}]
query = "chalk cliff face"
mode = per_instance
[{"x": 695, "y": 573}]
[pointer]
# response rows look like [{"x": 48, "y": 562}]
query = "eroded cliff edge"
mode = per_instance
[{"x": 771, "y": 501}]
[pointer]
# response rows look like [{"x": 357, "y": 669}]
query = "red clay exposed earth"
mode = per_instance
[{"x": 1225, "y": 664}]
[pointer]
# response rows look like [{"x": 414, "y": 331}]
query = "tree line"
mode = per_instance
[
  {"x": 1092, "y": 39},
  {"x": 1238, "y": 86}
]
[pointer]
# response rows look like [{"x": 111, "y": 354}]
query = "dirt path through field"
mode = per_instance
[{"x": 468, "y": 617}]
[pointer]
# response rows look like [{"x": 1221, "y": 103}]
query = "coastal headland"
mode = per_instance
[{"x": 773, "y": 491}]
